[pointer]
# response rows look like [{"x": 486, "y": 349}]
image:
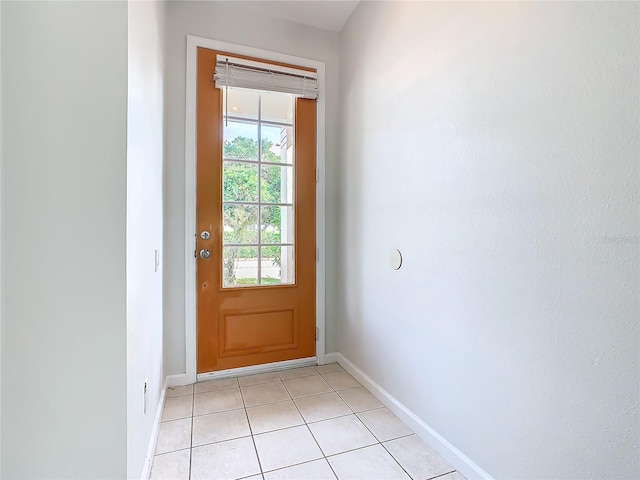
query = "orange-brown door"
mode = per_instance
[{"x": 256, "y": 205}]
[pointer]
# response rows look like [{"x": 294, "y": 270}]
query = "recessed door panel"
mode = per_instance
[{"x": 266, "y": 331}]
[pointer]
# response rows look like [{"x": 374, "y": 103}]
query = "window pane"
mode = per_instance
[
  {"x": 240, "y": 182},
  {"x": 251, "y": 136},
  {"x": 276, "y": 184},
  {"x": 240, "y": 141},
  {"x": 277, "y": 107},
  {"x": 278, "y": 266},
  {"x": 243, "y": 103},
  {"x": 277, "y": 144},
  {"x": 240, "y": 266},
  {"x": 277, "y": 224},
  {"x": 240, "y": 224}
]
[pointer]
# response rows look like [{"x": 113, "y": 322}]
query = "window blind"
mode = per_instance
[{"x": 236, "y": 72}]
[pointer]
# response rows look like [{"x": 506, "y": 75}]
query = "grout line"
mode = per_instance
[
  {"x": 193, "y": 406},
  {"x": 180, "y": 394},
  {"x": 172, "y": 451},
  {"x": 352, "y": 450},
  {"x": 331, "y": 418},
  {"x": 217, "y": 411},
  {"x": 442, "y": 475},
  {"x": 222, "y": 441},
  {"x": 279, "y": 429},
  {"x": 353, "y": 388},
  {"x": 312, "y": 436},
  {"x": 251, "y": 476},
  {"x": 175, "y": 420},
  {"x": 388, "y": 440},
  {"x": 261, "y": 384},
  {"x": 395, "y": 459},
  {"x": 265, "y": 404},
  {"x": 253, "y": 440},
  {"x": 305, "y": 422},
  {"x": 313, "y": 394},
  {"x": 268, "y": 403},
  {"x": 211, "y": 391},
  {"x": 295, "y": 465},
  {"x": 300, "y": 376},
  {"x": 216, "y": 390}
]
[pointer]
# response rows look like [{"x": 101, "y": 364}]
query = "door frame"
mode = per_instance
[{"x": 190, "y": 289}]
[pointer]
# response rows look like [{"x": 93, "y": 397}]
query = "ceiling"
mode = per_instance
[{"x": 325, "y": 14}]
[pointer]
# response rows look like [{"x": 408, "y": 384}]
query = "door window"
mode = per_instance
[{"x": 258, "y": 188}]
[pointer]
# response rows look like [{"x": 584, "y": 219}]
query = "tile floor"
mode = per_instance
[{"x": 311, "y": 423}]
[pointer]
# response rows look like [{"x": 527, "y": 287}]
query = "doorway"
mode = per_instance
[{"x": 256, "y": 218}]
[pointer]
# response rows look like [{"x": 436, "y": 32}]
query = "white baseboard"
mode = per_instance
[
  {"x": 178, "y": 380},
  {"x": 153, "y": 439},
  {"x": 330, "y": 358},
  {"x": 455, "y": 457},
  {"x": 266, "y": 367}
]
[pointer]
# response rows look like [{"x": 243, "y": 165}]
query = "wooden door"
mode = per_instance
[{"x": 245, "y": 319}]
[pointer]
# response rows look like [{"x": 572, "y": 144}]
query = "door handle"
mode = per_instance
[{"x": 205, "y": 253}]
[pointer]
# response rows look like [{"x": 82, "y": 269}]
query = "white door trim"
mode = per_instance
[{"x": 190, "y": 189}]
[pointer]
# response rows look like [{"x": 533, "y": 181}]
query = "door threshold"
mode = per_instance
[{"x": 254, "y": 369}]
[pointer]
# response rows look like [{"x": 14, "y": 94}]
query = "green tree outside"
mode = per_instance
[{"x": 241, "y": 184}]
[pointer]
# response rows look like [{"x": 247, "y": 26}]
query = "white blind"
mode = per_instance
[{"x": 236, "y": 72}]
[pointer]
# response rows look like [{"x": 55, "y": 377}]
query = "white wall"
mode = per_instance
[
  {"x": 144, "y": 225},
  {"x": 229, "y": 24},
  {"x": 64, "y": 93},
  {"x": 0, "y": 237},
  {"x": 496, "y": 145}
]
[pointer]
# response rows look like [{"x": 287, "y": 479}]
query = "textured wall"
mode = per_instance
[
  {"x": 228, "y": 24},
  {"x": 496, "y": 145}
]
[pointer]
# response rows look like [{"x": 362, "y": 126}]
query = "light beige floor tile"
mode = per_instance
[
  {"x": 224, "y": 460},
  {"x": 341, "y": 434},
  {"x": 305, "y": 386},
  {"x": 453, "y": 476},
  {"x": 177, "y": 407},
  {"x": 259, "y": 378},
  {"x": 218, "y": 427},
  {"x": 322, "y": 407},
  {"x": 264, "y": 393},
  {"x": 340, "y": 380},
  {"x": 174, "y": 435},
  {"x": 212, "y": 385},
  {"x": 359, "y": 399},
  {"x": 273, "y": 416},
  {"x": 297, "y": 373},
  {"x": 284, "y": 448},
  {"x": 384, "y": 424},
  {"x": 316, "y": 470},
  {"x": 171, "y": 466},
  {"x": 370, "y": 463},
  {"x": 178, "y": 391},
  {"x": 217, "y": 401},
  {"x": 329, "y": 367},
  {"x": 417, "y": 458}
]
